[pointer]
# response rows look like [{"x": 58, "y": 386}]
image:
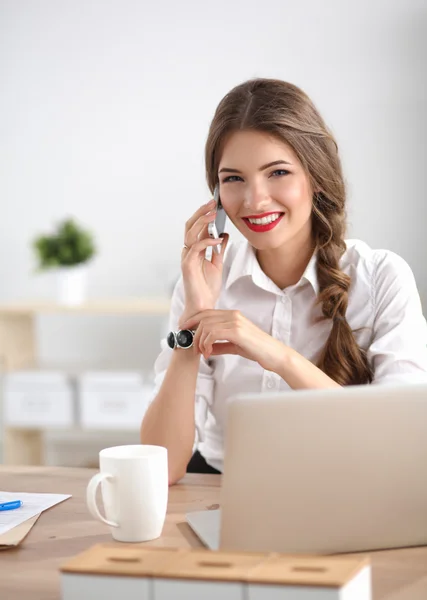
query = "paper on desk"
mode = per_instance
[
  {"x": 32, "y": 505},
  {"x": 14, "y": 536}
]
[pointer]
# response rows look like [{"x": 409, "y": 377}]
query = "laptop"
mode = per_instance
[{"x": 322, "y": 472}]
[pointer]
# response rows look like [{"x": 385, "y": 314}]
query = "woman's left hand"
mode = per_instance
[{"x": 240, "y": 337}]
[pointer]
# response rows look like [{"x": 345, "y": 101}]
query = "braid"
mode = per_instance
[{"x": 342, "y": 359}]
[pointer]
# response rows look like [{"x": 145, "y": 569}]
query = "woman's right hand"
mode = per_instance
[{"x": 202, "y": 277}]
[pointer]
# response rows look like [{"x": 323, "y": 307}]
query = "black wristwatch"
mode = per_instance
[{"x": 181, "y": 339}]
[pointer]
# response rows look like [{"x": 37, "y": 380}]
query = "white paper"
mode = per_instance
[{"x": 32, "y": 505}]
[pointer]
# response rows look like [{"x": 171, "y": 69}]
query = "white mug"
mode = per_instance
[{"x": 134, "y": 483}]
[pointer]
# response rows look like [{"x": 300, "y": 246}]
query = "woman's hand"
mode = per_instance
[
  {"x": 202, "y": 277},
  {"x": 229, "y": 332}
]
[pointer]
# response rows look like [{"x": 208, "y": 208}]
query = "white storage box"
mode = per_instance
[
  {"x": 112, "y": 572},
  {"x": 38, "y": 399},
  {"x": 112, "y": 399},
  {"x": 317, "y": 578},
  {"x": 108, "y": 572}
]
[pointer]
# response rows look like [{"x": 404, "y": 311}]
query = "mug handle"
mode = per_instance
[{"x": 91, "y": 498}]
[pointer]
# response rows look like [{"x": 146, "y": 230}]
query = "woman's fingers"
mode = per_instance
[
  {"x": 225, "y": 348},
  {"x": 217, "y": 258},
  {"x": 194, "y": 250},
  {"x": 199, "y": 229},
  {"x": 200, "y": 212},
  {"x": 205, "y": 208},
  {"x": 204, "y": 233},
  {"x": 209, "y": 335}
]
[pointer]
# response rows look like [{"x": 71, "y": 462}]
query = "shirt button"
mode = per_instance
[
  {"x": 270, "y": 384},
  {"x": 284, "y": 299}
]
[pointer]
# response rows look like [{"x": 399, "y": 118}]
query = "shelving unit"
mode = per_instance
[{"x": 18, "y": 351}]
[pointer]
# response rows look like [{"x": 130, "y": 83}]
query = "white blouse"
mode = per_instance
[{"x": 384, "y": 310}]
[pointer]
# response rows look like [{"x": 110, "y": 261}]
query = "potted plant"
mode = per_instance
[{"x": 67, "y": 251}]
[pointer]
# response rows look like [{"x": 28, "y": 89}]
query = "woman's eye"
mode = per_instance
[
  {"x": 231, "y": 178},
  {"x": 276, "y": 173},
  {"x": 280, "y": 172}
]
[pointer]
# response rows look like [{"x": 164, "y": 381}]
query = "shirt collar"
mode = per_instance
[
  {"x": 245, "y": 264},
  {"x": 310, "y": 273}
]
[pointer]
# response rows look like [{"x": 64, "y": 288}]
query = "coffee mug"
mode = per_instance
[{"x": 134, "y": 484}]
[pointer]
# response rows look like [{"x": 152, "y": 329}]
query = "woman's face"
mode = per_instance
[{"x": 265, "y": 191}]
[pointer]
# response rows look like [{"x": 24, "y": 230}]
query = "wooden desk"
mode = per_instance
[{"x": 30, "y": 572}]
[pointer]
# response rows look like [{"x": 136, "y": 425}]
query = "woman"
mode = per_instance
[{"x": 292, "y": 306}]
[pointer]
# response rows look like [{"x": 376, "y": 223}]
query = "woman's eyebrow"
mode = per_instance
[{"x": 271, "y": 164}]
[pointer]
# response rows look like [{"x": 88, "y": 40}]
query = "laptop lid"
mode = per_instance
[{"x": 326, "y": 471}]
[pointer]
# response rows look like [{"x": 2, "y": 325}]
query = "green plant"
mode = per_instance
[{"x": 69, "y": 245}]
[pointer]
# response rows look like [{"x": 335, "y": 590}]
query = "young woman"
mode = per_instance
[{"x": 292, "y": 306}]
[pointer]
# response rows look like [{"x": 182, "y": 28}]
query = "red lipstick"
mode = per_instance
[{"x": 262, "y": 228}]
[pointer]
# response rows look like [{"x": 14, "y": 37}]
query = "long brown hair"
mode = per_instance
[{"x": 287, "y": 113}]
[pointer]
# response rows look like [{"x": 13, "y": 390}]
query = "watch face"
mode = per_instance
[
  {"x": 184, "y": 338},
  {"x": 171, "y": 340}
]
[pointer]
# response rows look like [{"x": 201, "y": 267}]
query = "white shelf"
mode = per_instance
[
  {"x": 125, "y": 306},
  {"x": 18, "y": 350}
]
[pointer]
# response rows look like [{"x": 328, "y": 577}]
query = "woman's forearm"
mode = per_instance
[
  {"x": 299, "y": 373},
  {"x": 169, "y": 420}
]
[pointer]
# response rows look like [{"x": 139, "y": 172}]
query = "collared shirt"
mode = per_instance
[{"x": 384, "y": 312}]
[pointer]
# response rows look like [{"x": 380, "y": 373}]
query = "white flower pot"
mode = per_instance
[{"x": 71, "y": 284}]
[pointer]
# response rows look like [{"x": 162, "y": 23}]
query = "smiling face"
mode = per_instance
[{"x": 265, "y": 191}]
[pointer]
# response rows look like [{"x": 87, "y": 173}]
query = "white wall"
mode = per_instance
[{"x": 104, "y": 110}]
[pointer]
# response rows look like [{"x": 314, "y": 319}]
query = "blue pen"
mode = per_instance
[{"x": 11, "y": 505}]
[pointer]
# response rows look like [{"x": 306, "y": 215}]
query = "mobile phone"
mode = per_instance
[{"x": 218, "y": 226}]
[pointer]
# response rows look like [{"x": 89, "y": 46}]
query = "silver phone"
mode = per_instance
[{"x": 218, "y": 226}]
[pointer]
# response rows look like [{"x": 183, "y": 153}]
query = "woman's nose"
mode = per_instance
[{"x": 256, "y": 199}]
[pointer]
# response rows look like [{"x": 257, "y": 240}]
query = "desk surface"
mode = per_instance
[{"x": 30, "y": 572}]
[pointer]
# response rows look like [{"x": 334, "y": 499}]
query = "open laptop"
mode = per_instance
[{"x": 322, "y": 471}]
